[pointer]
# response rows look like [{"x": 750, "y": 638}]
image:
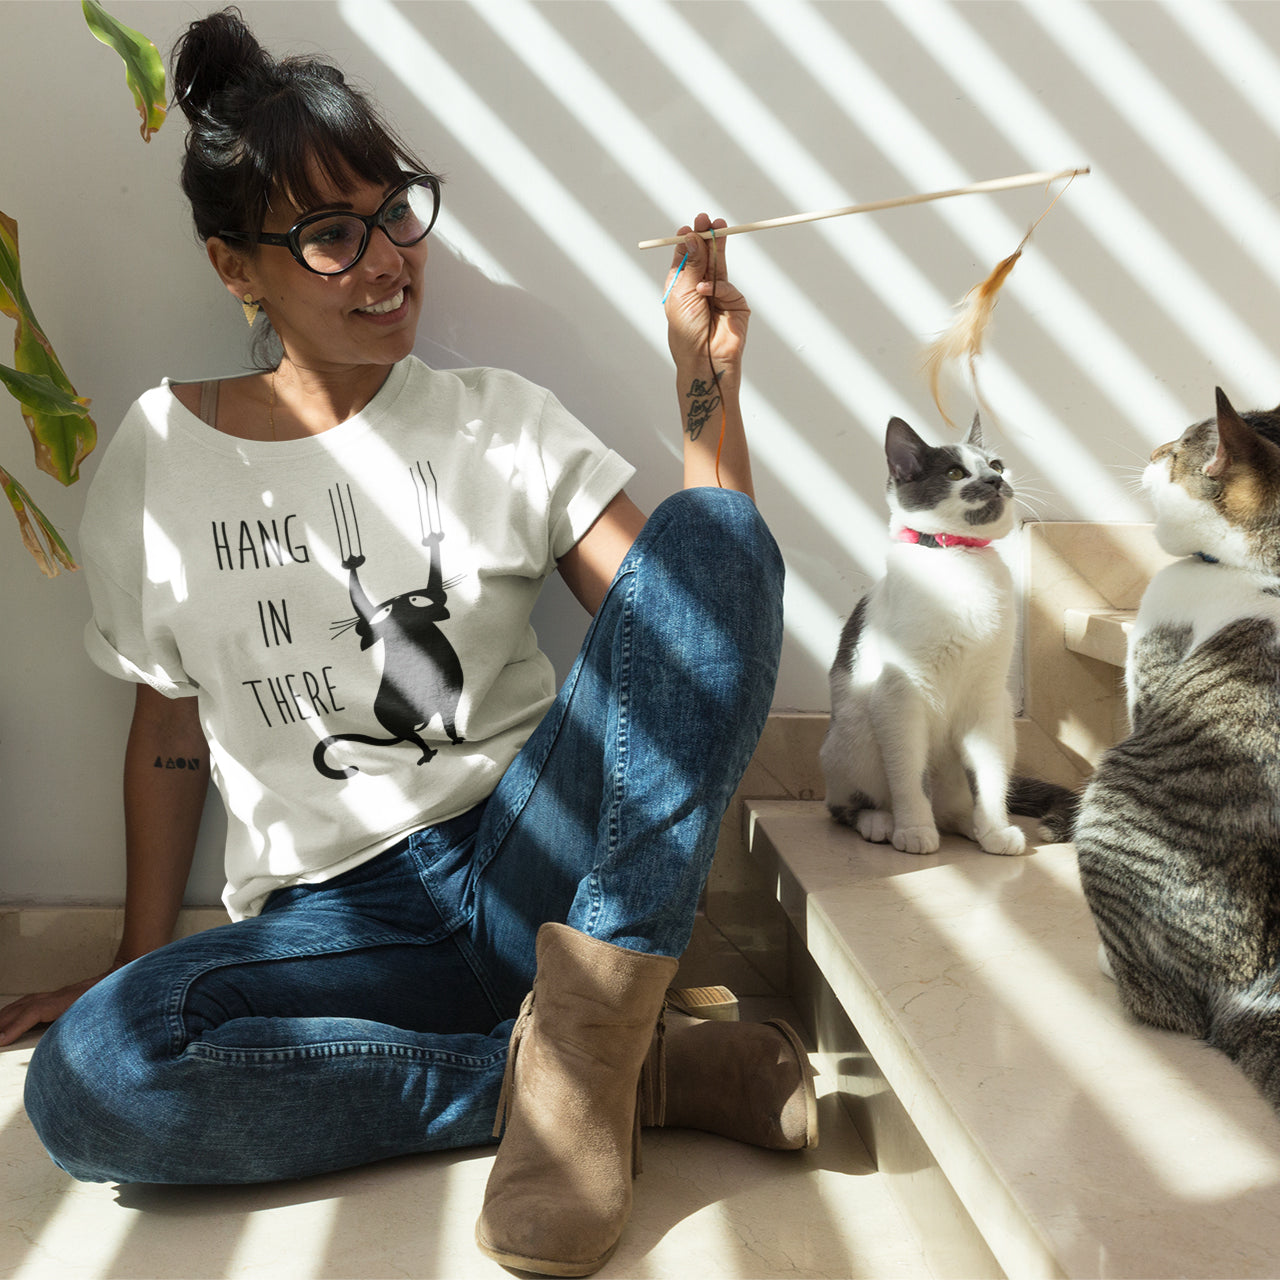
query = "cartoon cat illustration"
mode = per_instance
[{"x": 421, "y": 673}]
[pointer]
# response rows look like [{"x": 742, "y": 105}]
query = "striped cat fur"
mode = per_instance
[{"x": 1178, "y": 831}]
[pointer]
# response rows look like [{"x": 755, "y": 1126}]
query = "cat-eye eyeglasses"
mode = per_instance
[{"x": 331, "y": 243}]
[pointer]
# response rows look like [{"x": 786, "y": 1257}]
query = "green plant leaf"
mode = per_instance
[
  {"x": 143, "y": 66},
  {"x": 42, "y": 393},
  {"x": 65, "y": 436},
  {"x": 38, "y": 534}
]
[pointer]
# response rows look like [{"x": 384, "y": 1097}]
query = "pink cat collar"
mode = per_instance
[{"x": 939, "y": 539}]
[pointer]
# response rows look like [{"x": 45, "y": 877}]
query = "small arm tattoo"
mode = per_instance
[{"x": 703, "y": 402}]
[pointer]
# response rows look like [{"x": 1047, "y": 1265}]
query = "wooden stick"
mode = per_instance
[{"x": 992, "y": 184}]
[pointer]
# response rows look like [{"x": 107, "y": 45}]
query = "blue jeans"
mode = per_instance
[{"x": 368, "y": 1016}]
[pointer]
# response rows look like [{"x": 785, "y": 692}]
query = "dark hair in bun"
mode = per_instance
[{"x": 259, "y": 126}]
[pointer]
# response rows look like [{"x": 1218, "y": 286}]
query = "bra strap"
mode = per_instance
[{"x": 209, "y": 402}]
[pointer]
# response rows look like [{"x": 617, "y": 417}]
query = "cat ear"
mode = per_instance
[
  {"x": 1239, "y": 443},
  {"x": 904, "y": 451},
  {"x": 975, "y": 431},
  {"x": 1235, "y": 437}
]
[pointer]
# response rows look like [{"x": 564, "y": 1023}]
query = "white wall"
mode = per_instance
[{"x": 570, "y": 131}]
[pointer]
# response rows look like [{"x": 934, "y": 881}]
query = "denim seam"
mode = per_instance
[
  {"x": 475, "y": 963},
  {"x": 342, "y": 1049},
  {"x": 622, "y": 582},
  {"x": 622, "y": 744},
  {"x": 178, "y": 1040},
  {"x": 521, "y": 799},
  {"x": 449, "y": 924}
]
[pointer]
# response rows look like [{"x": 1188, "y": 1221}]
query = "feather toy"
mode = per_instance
[{"x": 962, "y": 341}]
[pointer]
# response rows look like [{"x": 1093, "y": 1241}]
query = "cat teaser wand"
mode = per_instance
[
  {"x": 974, "y": 188},
  {"x": 963, "y": 340}
]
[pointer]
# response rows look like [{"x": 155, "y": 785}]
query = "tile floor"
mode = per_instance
[{"x": 704, "y": 1207}]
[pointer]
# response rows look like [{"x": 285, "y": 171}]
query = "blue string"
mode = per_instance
[{"x": 674, "y": 278}]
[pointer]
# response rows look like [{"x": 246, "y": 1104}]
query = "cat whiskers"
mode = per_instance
[
  {"x": 1032, "y": 509},
  {"x": 1143, "y": 458},
  {"x": 1131, "y": 476},
  {"x": 341, "y": 628},
  {"x": 1131, "y": 473},
  {"x": 1031, "y": 499}
]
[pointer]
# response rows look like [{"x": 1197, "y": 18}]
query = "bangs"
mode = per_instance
[{"x": 311, "y": 138}]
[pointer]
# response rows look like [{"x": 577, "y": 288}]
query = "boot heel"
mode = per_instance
[{"x": 716, "y": 1004}]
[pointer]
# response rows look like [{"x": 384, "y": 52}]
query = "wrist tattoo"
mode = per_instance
[{"x": 703, "y": 402}]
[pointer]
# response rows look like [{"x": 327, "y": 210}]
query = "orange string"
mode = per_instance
[{"x": 715, "y": 377}]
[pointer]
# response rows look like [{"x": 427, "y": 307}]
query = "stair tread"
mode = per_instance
[{"x": 1080, "y": 1142}]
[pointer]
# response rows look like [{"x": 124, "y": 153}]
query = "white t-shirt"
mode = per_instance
[{"x": 351, "y": 609}]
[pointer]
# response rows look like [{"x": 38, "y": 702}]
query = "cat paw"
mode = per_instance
[
  {"x": 916, "y": 839},
  {"x": 875, "y": 825},
  {"x": 1007, "y": 841}
]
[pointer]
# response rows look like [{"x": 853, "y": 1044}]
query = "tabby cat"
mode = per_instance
[
  {"x": 1178, "y": 831},
  {"x": 921, "y": 733}
]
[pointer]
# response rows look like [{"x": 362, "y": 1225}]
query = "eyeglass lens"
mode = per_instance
[{"x": 333, "y": 243}]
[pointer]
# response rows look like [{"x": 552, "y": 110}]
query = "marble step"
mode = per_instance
[{"x": 1077, "y": 1142}]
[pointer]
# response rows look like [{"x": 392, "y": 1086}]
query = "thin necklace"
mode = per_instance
[{"x": 271, "y": 408}]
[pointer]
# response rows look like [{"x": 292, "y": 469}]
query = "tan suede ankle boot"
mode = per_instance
[
  {"x": 559, "y": 1194},
  {"x": 743, "y": 1080}
]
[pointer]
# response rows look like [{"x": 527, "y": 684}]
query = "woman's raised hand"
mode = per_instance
[{"x": 706, "y": 312}]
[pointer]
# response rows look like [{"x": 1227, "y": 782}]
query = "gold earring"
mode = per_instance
[{"x": 251, "y": 309}]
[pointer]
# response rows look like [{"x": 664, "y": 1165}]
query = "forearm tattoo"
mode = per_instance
[{"x": 704, "y": 400}]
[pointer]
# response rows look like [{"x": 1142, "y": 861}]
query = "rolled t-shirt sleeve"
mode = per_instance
[
  {"x": 583, "y": 476},
  {"x": 116, "y": 642},
  {"x": 112, "y": 539}
]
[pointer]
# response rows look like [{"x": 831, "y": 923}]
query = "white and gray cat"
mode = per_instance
[
  {"x": 1178, "y": 831},
  {"x": 921, "y": 733}
]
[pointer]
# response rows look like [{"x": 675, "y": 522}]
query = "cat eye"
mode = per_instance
[
  {"x": 997, "y": 466},
  {"x": 956, "y": 473}
]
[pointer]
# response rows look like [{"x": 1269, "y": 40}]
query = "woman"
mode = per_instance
[{"x": 319, "y": 577}]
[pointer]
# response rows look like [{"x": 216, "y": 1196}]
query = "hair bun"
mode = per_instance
[
  {"x": 215, "y": 53},
  {"x": 261, "y": 127}
]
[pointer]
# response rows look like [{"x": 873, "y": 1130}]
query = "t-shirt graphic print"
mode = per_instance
[
  {"x": 351, "y": 609},
  {"x": 421, "y": 672}
]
